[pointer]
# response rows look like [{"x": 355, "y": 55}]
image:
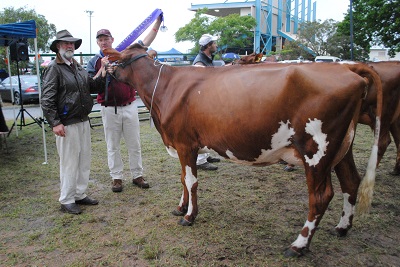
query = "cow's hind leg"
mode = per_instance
[
  {"x": 395, "y": 131},
  {"x": 188, "y": 204},
  {"x": 320, "y": 193},
  {"x": 349, "y": 179}
]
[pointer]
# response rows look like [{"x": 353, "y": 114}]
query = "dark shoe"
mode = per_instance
[
  {"x": 212, "y": 159},
  {"x": 87, "y": 201},
  {"x": 71, "y": 208},
  {"x": 207, "y": 167},
  {"x": 140, "y": 182},
  {"x": 117, "y": 185}
]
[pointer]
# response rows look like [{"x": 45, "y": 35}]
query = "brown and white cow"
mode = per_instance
[
  {"x": 389, "y": 73},
  {"x": 257, "y": 116}
]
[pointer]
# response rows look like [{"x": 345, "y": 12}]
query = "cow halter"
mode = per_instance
[{"x": 126, "y": 63}]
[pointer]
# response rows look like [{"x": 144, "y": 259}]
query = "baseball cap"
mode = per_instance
[
  {"x": 206, "y": 38},
  {"x": 104, "y": 32}
]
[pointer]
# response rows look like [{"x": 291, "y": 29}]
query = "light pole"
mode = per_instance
[
  {"x": 90, "y": 28},
  {"x": 351, "y": 30}
]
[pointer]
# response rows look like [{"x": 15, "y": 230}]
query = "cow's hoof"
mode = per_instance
[
  {"x": 395, "y": 172},
  {"x": 177, "y": 213},
  {"x": 291, "y": 253},
  {"x": 339, "y": 232},
  {"x": 184, "y": 222}
]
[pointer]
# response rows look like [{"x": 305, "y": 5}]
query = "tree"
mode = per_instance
[
  {"x": 46, "y": 31},
  {"x": 376, "y": 22},
  {"x": 319, "y": 37},
  {"x": 361, "y": 47},
  {"x": 233, "y": 30}
]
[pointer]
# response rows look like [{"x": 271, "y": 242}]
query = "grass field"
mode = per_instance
[{"x": 247, "y": 216}]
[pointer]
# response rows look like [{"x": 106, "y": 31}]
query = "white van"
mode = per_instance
[{"x": 327, "y": 59}]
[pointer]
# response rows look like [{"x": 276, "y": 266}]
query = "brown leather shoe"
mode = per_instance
[
  {"x": 71, "y": 208},
  {"x": 117, "y": 185},
  {"x": 140, "y": 182}
]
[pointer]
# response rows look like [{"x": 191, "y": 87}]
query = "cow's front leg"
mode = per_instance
[{"x": 188, "y": 203}]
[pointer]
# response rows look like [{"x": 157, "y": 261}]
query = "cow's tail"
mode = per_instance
[{"x": 366, "y": 189}]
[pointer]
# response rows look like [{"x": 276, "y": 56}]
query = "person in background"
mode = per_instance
[
  {"x": 120, "y": 116},
  {"x": 66, "y": 104},
  {"x": 208, "y": 46}
]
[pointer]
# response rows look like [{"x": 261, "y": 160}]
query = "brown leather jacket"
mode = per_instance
[{"x": 66, "y": 92}]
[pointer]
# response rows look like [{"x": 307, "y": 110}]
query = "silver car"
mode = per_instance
[{"x": 29, "y": 89}]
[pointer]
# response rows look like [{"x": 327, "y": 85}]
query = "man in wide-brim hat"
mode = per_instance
[{"x": 66, "y": 102}]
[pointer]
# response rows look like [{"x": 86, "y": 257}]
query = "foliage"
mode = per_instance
[
  {"x": 376, "y": 22},
  {"x": 318, "y": 36},
  {"x": 46, "y": 31},
  {"x": 233, "y": 30},
  {"x": 361, "y": 47}
]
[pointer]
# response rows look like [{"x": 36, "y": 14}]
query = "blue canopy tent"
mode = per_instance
[
  {"x": 12, "y": 32},
  {"x": 171, "y": 55}
]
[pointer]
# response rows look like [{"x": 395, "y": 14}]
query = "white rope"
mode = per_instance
[{"x": 154, "y": 91}]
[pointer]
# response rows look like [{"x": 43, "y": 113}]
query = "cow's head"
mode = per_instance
[
  {"x": 126, "y": 57},
  {"x": 250, "y": 59}
]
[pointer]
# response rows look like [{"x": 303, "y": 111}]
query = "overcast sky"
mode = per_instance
[{"x": 122, "y": 17}]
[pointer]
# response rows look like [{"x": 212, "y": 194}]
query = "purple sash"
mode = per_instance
[{"x": 139, "y": 30}]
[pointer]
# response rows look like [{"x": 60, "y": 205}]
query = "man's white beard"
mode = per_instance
[{"x": 67, "y": 54}]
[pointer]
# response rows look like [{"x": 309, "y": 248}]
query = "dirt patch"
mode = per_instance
[{"x": 247, "y": 217}]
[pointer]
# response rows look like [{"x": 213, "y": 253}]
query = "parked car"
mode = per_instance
[
  {"x": 327, "y": 59},
  {"x": 29, "y": 89}
]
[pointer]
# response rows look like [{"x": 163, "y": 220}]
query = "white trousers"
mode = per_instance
[
  {"x": 202, "y": 158},
  {"x": 123, "y": 124},
  {"x": 75, "y": 155}
]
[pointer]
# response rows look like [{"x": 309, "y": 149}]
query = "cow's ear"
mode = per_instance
[
  {"x": 112, "y": 53},
  {"x": 258, "y": 57}
]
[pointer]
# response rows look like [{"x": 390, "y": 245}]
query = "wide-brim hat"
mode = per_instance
[{"x": 64, "y": 35}]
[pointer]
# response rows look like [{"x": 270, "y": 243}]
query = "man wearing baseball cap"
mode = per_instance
[
  {"x": 208, "y": 46},
  {"x": 120, "y": 116}
]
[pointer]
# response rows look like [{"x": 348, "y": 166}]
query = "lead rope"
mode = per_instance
[{"x": 152, "y": 97}]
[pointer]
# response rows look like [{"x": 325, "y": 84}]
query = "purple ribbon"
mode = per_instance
[{"x": 139, "y": 30}]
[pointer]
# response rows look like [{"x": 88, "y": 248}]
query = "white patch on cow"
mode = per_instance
[
  {"x": 279, "y": 142},
  {"x": 181, "y": 202},
  {"x": 282, "y": 137},
  {"x": 348, "y": 211},
  {"x": 314, "y": 128},
  {"x": 172, "y": 152},
  {"x": 301, "y": 241},
  {"x": 190, "y": 180}
]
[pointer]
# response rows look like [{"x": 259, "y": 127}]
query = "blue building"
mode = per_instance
[{"x": 277, "y": 20}]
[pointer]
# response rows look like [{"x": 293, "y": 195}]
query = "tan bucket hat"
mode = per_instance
[{"x": 64, "y": 35}]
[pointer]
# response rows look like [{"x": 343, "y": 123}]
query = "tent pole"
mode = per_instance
[
  {"x": 40, "y": 102},
  {"x": 11, "y": 92}
]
